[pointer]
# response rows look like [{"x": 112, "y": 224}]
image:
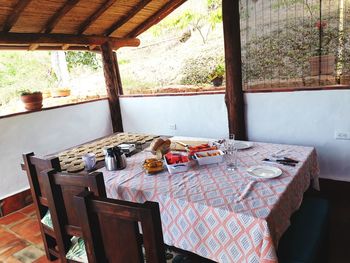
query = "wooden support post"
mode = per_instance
[
  {"x": 234, "y": 98},
  {"x": 113, "y": 85}
]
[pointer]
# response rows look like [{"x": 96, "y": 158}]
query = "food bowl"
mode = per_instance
[
  {"x": 178, "y": 167},
  {"x": 209, "y": 157}
]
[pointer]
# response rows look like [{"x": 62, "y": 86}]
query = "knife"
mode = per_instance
[
  {"x": 280, "y": 162},
  {"x": 286, "y": 159}
]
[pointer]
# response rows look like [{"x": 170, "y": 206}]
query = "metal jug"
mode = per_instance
[
  {"x": 110, "y": 160},
  {"x": 120, "y": 158},
  {"x": 115, "y": 159}
]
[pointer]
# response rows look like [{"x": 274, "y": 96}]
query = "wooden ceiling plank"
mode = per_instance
[
  {"x": 155, "y": 18},
  {"x": 12, "y": 19},
  {"x": 65, "y": 39},
  {"x": 127, "y": 17},
  {"x": 88, "y": 22},
  {"x": 65, "y": 8}
]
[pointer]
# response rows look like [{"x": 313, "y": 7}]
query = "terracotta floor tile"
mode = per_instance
[
  {"x": 7, "y": 238},
  {"x": 36, "y": 239},
  {"x": 28, "y": 209},
  {"x": 44, "y": 259},
  {"x": 2, "y": 230},
  {"x": 29, "y": 254},
  {"x": 11, "y": 260},
  {"x": 12, "y": 219},
  {"x": 12, "y": 247},
  {"x": 27, "y": 228}
]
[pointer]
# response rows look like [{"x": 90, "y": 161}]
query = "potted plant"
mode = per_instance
[
  {"x": 32, "y": 100},
  {"x": 323, "y": 63},
  {"x": 217, "y": 75},
  {"x": 60, "y": 92}
]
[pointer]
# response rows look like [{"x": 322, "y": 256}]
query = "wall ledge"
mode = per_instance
[
  {"x": 333, "y": 87},
  {"x": 51, "y": 108},
  {"x": 173, "y": 94}
]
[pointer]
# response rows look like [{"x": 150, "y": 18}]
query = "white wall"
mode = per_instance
[
  {"x": 199, "y": 115},
  {"x": 304, "y": 118},
  {"x": 46, "y": 132}
]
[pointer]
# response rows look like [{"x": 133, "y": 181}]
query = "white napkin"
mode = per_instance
[{"x": 247, "y": 189}]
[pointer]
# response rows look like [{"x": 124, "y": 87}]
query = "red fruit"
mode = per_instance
[{"x": 184, "y": 159}]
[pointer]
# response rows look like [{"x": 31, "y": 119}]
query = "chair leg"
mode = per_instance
[{"x": 49, "y": 243}]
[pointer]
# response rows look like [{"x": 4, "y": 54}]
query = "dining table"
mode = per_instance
[{"x": 222, "y": 215}]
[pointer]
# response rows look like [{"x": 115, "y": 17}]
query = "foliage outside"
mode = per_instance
[
  {"x": 82, "y": 58},
  {"x": 281, "y": 49},
  {"x": 201, "y": 69}
]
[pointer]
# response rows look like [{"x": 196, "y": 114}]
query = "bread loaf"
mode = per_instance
[{"x": 160, "y": 145}]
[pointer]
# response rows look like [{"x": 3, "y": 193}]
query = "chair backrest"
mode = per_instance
[
  {"x": 111, "y": 230},
  {"x": 60, "y": 189},
  {"x": 34, "y": 166}
]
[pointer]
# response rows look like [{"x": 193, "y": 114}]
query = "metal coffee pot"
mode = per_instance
[{"x": 115, "y": 159}]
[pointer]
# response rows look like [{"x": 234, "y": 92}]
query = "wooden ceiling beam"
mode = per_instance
[
  {"x": 88, "y": 22},
  {"x": 65, "y": 39},
  {"x": 127, "y": 17},
  {"x": 12, "y": 19},
  {"x": 155, "y": 18},
  {"x": 65, "y": 8},
  {"x": 49, "y": 48}
]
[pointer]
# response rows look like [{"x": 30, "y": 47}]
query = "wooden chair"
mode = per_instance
[
  {"x": 111, "y": 230},
  {"x": 60, "y": 189},
  {"x": 34, "y": 166}
]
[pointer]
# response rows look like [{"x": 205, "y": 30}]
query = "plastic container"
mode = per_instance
[
  {"x": 209, "y": 159},
  {"x": 177, "y": 167}
]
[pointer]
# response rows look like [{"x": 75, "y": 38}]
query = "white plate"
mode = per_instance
[
  {"x": 264, "y": 171},
  {"x": 241, "y": 145}
]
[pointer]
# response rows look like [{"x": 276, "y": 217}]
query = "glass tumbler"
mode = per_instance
[{"x": 231, "y": 153}]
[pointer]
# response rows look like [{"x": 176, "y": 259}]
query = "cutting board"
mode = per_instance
[{"x": 177, "y": 147}]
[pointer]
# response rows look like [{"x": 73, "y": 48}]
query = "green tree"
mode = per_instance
[
  {"x": 192, "y": 20},
  {"x": 82, "y": 58}
]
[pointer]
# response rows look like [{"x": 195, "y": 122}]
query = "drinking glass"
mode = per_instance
[{"x": 231, "y": 153}]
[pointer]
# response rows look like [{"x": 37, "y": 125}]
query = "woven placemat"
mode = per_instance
[{"x": 71, "y": 160}]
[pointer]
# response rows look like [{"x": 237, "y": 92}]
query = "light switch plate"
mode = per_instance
[{"x": 342, "y": 135}]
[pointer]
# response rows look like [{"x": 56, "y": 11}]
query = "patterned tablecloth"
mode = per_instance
[{"x": 204, "y": 211}]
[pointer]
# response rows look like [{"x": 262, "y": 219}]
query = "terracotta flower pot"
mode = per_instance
[
  {"x": 33, "y": 101},
  {"x": 60, "y": 93},
  {"x": 327, "y": 65}
]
